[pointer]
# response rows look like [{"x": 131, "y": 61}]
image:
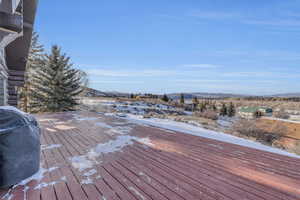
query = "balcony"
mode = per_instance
[
  {"x": 9, "y": 6},
  {"x": 11, "y": 22},
  {"x": 93, "y": 156}
]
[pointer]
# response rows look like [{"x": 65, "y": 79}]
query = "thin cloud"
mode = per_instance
[
  {"x": 282, "y": 19},
  {"x": 213, "y": 15},
  {"x": 287, "y": 22},
  {"x": 129, "y": 73},
  {"x": 201, "y": 66}
]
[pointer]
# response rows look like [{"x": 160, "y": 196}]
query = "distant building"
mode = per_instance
[
  {"x": 250, "y": 112},
  {"x": 16, "y": 26}
]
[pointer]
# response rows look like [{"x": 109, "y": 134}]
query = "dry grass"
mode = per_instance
[
  {"x": 249, "y": 128},
  {"x": 291, "y": 129}
]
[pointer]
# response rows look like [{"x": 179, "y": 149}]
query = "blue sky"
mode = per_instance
[{"x": 162, "y": 46}]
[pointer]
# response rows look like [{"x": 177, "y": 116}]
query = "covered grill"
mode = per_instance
[{"x": 19, "y": 146}]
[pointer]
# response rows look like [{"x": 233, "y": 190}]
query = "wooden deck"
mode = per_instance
[{"x": 160, "y": 165}]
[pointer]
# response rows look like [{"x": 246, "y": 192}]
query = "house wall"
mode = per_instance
[
  {"x": 3, "y": 78},
  {"x": 16, "y": 26}
]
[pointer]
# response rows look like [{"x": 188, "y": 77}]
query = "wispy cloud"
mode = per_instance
[
  {"x": 265, "y": 54},
  {"x": 285, "y": 22},
  {"x": 129, "y": 73},
  {"x": 286, "y": 19},
  {"x": 201, "y": 66},
  {"x": 213, "y": 15},
  {"x": 114, "y": 82}
]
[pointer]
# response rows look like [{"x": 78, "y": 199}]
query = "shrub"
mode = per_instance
[
  {"x": 281, "y": 114},
  {"x": 209, "y": 114},
  {"x": 248, "y": 128}
]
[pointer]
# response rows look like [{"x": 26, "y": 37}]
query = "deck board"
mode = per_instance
[{"x": 174, "y": 166}]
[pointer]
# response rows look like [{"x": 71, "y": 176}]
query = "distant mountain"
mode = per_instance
[
  {"x": 96, "y": 93},
  {"x": 286, "y": 95},
  {"x": 90, "y": 92},
  {"x": 204, "y": 95}
]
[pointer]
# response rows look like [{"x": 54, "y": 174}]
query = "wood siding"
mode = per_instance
[{"x": 16, "y": 24}]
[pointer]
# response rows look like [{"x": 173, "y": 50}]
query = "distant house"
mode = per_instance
[
  {"x": 251, "y": 112},
  {"x": 16, "y": 25}
]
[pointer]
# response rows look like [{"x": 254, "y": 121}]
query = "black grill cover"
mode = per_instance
[{"x": 19, "y": 146}]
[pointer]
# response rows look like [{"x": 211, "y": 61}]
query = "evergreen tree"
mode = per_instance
[
  {"x": 223, "y": 111},
  {"x": 202, "y": 107},
  {"x": 258, "y": 114},
  {"x": 36, "y": 54},
  {"x": 214, "y": 107},
  {"x": 131, "y": 96},
  {"x": 56, "y": 84},
  {"x": 182, "y": 98},
  {"x": 231, "y": 110},
  {"x": 165, "y": 98},
  {"x": 195, "y": 102}
]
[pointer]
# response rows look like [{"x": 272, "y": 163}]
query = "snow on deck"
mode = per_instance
[
  {"x": 202, "y": 132},
  {"x": 84, "y": 158}
]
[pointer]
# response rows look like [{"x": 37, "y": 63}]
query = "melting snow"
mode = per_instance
[
  {"x": 37, "y": 176},
  {"x": 90, "y": 173},
  {"x": 8, "y": 195},
  {"x": 82, "y": 162},
  {"x": 103, "y": 125},
  {"x": 51, "y": 146},
  {"x": 87, "y": 181},
  {"x": 43, "y": 184},
  {"x": 88, "y": 160},
  {"x": 137, "y": 192},
  {"x": 146, "y": 176},
  {"x": 198, "y": 131}
]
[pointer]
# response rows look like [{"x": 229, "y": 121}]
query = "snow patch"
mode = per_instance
[
  {"x": 146, "y": 176},
  {"x": 121, "y": 130},
  {"x": 137, "y": 192},
  {"x": 88, "y": 160},
  {"x": 51, "y": 146},
  {"x": 44, "y": 184},
  {"x": 37, "y": 176},
  {"x": 82, "y": 162},
  {"x": 216, "y": 146},
  {"x": 145, "y": 141},
  {"x": 114, "y": 145},
  {"x": 90, "y": 173},
  {"x": 87, "y": 181},
  {"x": 103, "y": 125},
  {"x": 80, "y": 118},
  {"x": 8, "y": 195},
  {"x": 202, "y": 132}
]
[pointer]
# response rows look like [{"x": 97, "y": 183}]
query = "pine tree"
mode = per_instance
[
  {"x": 182, "y": 98},
  {"x": 258, "y": 114},
  {"x": 165, "y": 98},
  {"x": 195, "y": 102},
  {"x": 214, "y": 107},
  {"x": 223, "y": 111},
  {"x": 231, "y": 110},
  {"x": 56, "y": 84},
  {"x": 202, "y": 107},
  {"x": 36, "y": 54}
]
